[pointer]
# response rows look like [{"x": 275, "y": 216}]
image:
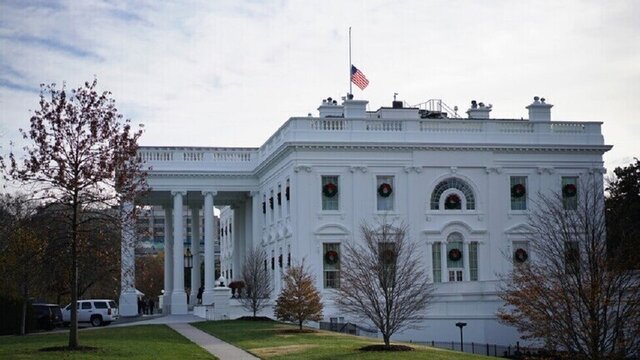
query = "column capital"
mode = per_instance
[
  {"x": 176, "y": 192},
  {"x": 207, "y": 192}
]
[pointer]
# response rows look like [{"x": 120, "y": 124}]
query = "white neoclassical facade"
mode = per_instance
[{"x": 464, "y": 187}]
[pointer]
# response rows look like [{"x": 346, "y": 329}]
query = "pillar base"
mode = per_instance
[
  {"x": 208, "y": 297},
  {"x": 128, "y": 304},
  {"x": 179, "y": 303},
  {"x": 193, "y": 298}
]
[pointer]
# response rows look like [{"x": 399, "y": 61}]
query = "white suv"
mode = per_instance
[{"x": 98, "y": 312}]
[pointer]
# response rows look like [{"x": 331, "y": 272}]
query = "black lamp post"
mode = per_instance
[
  {"x": 188, "y": 259},
  {"x": 461, "y": 325}
]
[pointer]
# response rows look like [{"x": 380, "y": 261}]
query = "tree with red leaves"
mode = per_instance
[{"x": 81, "y": 156}]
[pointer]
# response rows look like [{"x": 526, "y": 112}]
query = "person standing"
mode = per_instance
[{"x": 151, "y": 305}]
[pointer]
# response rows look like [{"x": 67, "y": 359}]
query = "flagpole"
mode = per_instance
[{"x": 350, "y": 84}]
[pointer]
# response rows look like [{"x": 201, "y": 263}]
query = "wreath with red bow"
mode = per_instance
[
  {"x": 569, "y": 190},
  {"x": 385, "y": 190},
  {"x": 518, "y": 190},
  {"x": 452, "y": 202},
  {"x": 521, "y": 255},
  {"x": 330, "y": 190},
  {"x": 331, "y": 257},
  {"x": 455, "y": 254}
]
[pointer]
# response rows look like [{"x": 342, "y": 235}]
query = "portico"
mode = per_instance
[{"x": 191, "y": 193}]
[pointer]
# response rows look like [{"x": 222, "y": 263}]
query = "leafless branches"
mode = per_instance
[
  {"x": 257, "y": 281},
  {"x": 383, "y": 281}
]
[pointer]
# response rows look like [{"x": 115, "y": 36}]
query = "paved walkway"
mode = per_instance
[
  {"x": 210, "y": 343},
  {"x": 180, "y": 323}
]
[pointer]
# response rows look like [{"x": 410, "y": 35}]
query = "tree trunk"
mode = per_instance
[
  {"x": 386, "y": 340},
  {"x": 73, "y": 325},
  {"x": 23, "y": 323},
  {"x": 300, "y": 323}
]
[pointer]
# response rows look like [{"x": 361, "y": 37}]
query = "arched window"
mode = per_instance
[{"x": 453, "y": 201}]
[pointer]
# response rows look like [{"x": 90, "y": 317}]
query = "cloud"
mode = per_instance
[
  {"x": 229, "y": 73},
  {"x": 8, "y": 84},
  {"x": 52, "y": 44}
]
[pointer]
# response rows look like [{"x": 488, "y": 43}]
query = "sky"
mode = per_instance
[{"x": 230, "y": 73}]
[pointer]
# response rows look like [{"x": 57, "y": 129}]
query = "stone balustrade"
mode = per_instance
[{"x": 427, "y": 132}]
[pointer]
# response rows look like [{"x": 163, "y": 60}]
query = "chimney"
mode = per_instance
[
  {"x": 355, "y": 108},
  {"x": 479, "y": 110},
  {"x": 330, "y": 108},
  {"x": 539, "y": 110}
]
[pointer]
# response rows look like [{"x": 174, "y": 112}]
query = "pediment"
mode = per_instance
[
  {"x": 519, "y": 229},
  {"x": 332, "y": 229}
]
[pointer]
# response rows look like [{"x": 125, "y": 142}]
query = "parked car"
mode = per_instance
[
  {"x": 48, "y": 316},
  {"x": 98, "y": 312}
]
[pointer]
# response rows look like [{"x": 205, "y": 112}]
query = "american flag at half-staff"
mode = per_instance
[{"x": 358, "y": 78}]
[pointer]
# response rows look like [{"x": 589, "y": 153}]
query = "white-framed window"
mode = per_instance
[
  {"x": 271, "y": 207},
  {"x": 279, "y": 200},
  {"x": 330, "y": 192},
  {"x": 455, "y": 253},
  {"x": 331, "y": 257},
  {"x": 287, "y": 196},
  {"x": 453, "y": 201},
  {"x": 385, "y": 195},
  {"x": 473, "y": 261},
  {"x": 520, "y": 253},
  {"x": 518, "y": 192},
  {"x": 264, "y": 208},
  {"x": 436, "y": 257},
  {"x": 570, "y": 192}
]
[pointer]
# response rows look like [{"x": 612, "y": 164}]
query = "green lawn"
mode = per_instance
[
  {"x": 270, "y": 340},
  {"x": 132, "y": 342}
]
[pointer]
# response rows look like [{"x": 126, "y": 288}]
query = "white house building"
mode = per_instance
[{"x": 464, "y": 187}]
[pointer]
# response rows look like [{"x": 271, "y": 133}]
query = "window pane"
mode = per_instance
[
  {"x": 473, "y": 261},
  {"x": 454, "y": 241},
  {"x": 452, "y": 183},
  {"x": 330, "y": 201},
  {"x": 100, "y": 305},
  {"x": 570, "y": 192},
  {"x": 385, "y": 192},
  {"x": 518, "y": 190},
  {"x": 437, "y": 262},
  {"x": 331, "y": 264}
]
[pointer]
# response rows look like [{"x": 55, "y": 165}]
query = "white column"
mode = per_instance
[
  {"x": 443, "y": 259},
  {"x": 209, "y": 250},
  {"x": 128, "y": 299},
  {"x": 465, "y": 262},
  {"x": 178, "y": 295},
  {"x": 195, "y": 251},
  {"x": 168, "y": 259}
]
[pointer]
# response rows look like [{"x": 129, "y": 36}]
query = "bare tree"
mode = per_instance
[
  {"x": 82, "y": 156},
  {"x": 257, "y": 281},
  {"x": 299, "y": 299},
  {"x": 382, "y": 280},
  {"x": 568, "y": 294}
]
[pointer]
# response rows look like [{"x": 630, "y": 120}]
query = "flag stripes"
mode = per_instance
[{"x": 358, "y": 78}]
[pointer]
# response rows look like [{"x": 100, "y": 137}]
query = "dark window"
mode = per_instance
[
  {"x": 100, "y": 304},
  {"x": 86, "y": 305}
]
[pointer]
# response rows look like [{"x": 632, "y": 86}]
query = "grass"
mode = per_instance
[
  {"x": 132, "y": 342},
  {"x": 273, "y": 340}
]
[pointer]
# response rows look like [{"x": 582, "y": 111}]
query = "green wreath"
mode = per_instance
[
  {"x": 331, "y": 257},
  {"x": 330, "y": 190},
  {"x": 569, "y": 190},
  {"x": 385, "y": 190},
  {"x": 518, "y": 190}
]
